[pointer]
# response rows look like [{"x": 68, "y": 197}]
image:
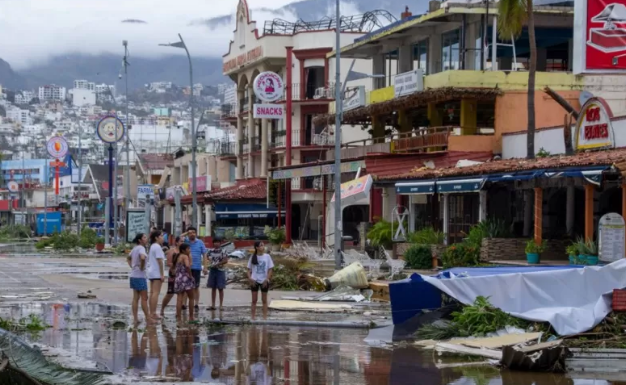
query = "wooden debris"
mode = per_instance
[{"x": 455, "y": 348}]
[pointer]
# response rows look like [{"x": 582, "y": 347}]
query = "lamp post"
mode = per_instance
[
  {"x": 338, "y": 108},
  {"x": 127, "y": 176},
  {"x": 194, "y": 139}
]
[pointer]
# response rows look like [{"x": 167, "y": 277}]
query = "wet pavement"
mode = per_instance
[{"x": 97, "y": 331}]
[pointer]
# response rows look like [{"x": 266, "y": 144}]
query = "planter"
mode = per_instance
[
  {"x": 592, "y": 260},
  {"x": 572, "y": 260},
  {"x": 582, "y": 259},
  {"x": 99, "y": 246},
  {"x": 532, "y": 258}
]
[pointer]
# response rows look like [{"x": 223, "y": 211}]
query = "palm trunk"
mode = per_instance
[{"x": 532, "y": 68}]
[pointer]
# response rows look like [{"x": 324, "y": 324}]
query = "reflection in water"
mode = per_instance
[{"x": 252, "y": 355}]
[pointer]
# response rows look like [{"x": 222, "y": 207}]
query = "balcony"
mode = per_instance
[
  {"x": 303, "y": 92},
  {"x": 244, "y": 105},
  {"x": 226, "y": 148}
]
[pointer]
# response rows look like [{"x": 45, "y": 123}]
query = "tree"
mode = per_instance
[{"x": 512, "y": 16}]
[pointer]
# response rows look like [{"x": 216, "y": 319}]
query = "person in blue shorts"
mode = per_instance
[{"x": 137, "y": 260}]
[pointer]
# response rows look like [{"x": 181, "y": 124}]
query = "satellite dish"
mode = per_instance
[{"x": 584, "y": 97}]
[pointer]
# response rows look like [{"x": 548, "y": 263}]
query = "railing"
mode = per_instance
[
  {"x": 304, "y": 91},
  {"x": 295, "y": 183},
  {"x": 278, "y": 142},
  {"x": 227, "y": 148},
  {"x": 295, "y": 138},
  {"x": 322, "y": 139},
  {"x": 423, "y": 139},
  {"x": 255, "y": 144}
]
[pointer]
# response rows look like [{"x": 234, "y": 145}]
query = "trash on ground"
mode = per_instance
[
  {"x": 341, "y": 294},
  {"x": 353, "y": 276},
  {"x": 86, "y": 296},
  {"x": 307, "y": 306},
  {"x": 544, "y": 357}
]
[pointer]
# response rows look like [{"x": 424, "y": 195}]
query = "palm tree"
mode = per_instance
[{"x": 512, "y": 15}]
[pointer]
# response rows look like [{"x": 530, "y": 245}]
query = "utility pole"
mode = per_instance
[
  {"x": 338, "y": 110},
  {"x": 127, "y": 176},
  {"x": 80, "y": 177}
]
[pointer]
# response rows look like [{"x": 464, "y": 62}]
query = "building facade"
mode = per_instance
[{"x": 52, "y": 93}]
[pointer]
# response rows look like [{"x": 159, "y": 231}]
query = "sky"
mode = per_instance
[{"x": 33, "y": 31}]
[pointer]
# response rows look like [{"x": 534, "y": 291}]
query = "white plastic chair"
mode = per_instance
[{"x": 395, "y": 265}]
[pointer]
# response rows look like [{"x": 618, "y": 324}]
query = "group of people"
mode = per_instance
[{"x": 186, "y": 259}]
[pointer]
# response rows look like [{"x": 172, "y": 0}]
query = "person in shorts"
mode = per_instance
[
  {"x": 137, "y": 260},
  {"x": 170, "y": 258},
  {"x": 217, "y": 275},
  {"x": 260, "y": 270},
  {"x": 198, "y": 250}
]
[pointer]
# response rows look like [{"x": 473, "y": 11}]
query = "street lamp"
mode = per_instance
[{"x": 194, "y": 139}]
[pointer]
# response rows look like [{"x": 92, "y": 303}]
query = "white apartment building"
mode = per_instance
[
  {"x": 83, "y": 97},
  {"x": 84, "y": 85},
  {"x": 52, "y": 92},
  {"x": 160, "y": 87},
  {"x": 19, "y": 116},
  {"x": 24, "y": 97},
  {"x": 105, "y": 88}
]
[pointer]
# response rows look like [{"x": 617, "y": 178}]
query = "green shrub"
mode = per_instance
[
  {"x": 490, "y": 228},
  {"x": 276, "y": 236},
  {"x": 380, "y": 234},
  {"x": 533, "y": 248},
  {"x": 65, "y": 241},
  {"x": 427, "y": 236},
  {"x": 482, "y": 318},
  {"x": 43, "y": 243},
  {"x": 15, "y": 232},
  {"x": 461, "y": 255},
  {"x": 88, "y": 238},
  {"x": 419, "y": 257}
]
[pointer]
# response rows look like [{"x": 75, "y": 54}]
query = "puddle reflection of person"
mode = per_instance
[
  {"x": 259, "y": 369},
  {"x": 170, "y": 343},
  {"x": 154, "y": 361},
  {"x": 183, "y": 360},
  {"x": 218, "y": 356},
  {"x": 137, "y": 360}
]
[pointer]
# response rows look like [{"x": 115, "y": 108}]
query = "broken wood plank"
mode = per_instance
[{"x": 454, "y": 348}]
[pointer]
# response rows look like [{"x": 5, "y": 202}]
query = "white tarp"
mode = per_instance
[{"x": 571, "y": 300}]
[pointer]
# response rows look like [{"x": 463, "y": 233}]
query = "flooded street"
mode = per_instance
[{"x": 98, "y": 331}]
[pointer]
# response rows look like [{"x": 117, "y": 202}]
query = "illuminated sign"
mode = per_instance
[{"x": 593, "y": 128}]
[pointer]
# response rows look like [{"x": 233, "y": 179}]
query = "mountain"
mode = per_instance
[
  {"x": 9, "y": 78},
  {"x": 105, "y": 68}
]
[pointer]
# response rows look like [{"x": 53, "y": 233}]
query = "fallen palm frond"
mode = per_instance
[{"x": 26, "y": 365}]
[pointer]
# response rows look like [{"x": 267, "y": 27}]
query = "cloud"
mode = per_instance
[{"x": 33, "y": 31}]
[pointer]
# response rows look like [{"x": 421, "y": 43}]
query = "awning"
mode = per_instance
[
  {"x": 243, "y": 211},
  {"x": 422, "y": 187},
  {"x": 590, "y": 174},
  {"x": 459, "y": 185}
]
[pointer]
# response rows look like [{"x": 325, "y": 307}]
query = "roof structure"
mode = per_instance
[
  {"x": 255, "y": 189},
  {"x": 367, "y": 22},
  {"x": 616, "y": 157},
  {"x": 417, "y": 99},
  {"x": 152, "y": 162}
]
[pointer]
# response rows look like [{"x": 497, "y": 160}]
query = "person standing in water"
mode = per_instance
[
  {"x": 184, "y": 282},
  {"x": 156, "y": 271},
  {"x": 260, "y": 270},
  {"x": 217, "y": 275},
  {"x": 171, "y": 254},
  {"x": 198, "y": 251},
  {"x": 137, "y": 262}
]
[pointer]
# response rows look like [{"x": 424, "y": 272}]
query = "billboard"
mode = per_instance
[{"x": 599, "y": 36}]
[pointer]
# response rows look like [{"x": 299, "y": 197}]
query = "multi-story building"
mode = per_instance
[
  {"x": 83, "y": 97},
  {"x": 19, "y": 115},
  {"x": 24, "y": 97},
  {"x": 106, "y": 89},
  {"x": 84, "y": 85},
  {"x": 51, "y": 92}
]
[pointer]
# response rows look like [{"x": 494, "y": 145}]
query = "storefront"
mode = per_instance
[{"x": 244, "y": 221}]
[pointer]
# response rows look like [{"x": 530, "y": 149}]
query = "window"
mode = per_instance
[
  {"x": 450, "y": 51},
  {"x": 391, "y": 66},
  {"x": 420, "y": 56}
]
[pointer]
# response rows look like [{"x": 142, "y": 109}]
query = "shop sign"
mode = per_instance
[
  {"x": 611, "y": 237},
  {"x": 268, "y": 111},
  {"x": 57, "y": 147},
  {"x": 201, "y": 183},
  {"x": 268, "y": 86},
  {"x": 327, "y": 169},
  {"x": 144, "y": 192},
  {"x": 408, "y": 83},
  {"x": 599, "y": 36},
  {"x": 354, "y": 98},
  {"x": 593, "y": 128},
  {"x": 243, "y": 59}
]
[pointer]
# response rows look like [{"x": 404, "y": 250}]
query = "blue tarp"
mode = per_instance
[{"x": 411, "y": 295}]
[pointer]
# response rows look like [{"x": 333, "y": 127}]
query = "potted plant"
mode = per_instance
[
  {"x": 276, "y": 237},
  {"x": 572, "y": 252},
  {"x": 99, "y": 243},
  {"x": 591, "y": 252},
  {"x": 533, "y": 251}
]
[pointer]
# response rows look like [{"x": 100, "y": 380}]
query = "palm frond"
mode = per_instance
[
  {"x": 511, "y": 19},
  {"x": 28, "y": 366}
]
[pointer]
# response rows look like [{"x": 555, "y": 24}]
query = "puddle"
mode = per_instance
[{"x": 250, "y": 354}]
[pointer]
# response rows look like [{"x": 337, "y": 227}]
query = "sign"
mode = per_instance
[
  {"x": 416, "y": 187},
  {"x": 268, "y": 86},
  {"x": 268, "y": 111},
  {"x": 599, "y": 36},
  {"x": 143, "y": 192},
  {"x": 354, "y": 98},
  {"x": 355, "y": 190},
  {"x": 327, "y": 169},
  {"x": 611, "y": 237},
  {"x": 408, "y": 83},
  {"x": 593, "y": 128},
  {"x": 13, "y": 186},
  {"x": 243, "y": 59},
  {"x": 57, "y": 147},
  {"x": 202, "y": 183},
  {"x": 110, "y": 129},
  {"x": 135, "y": 223}
]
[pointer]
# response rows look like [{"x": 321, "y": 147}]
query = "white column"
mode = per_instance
[
  {"x": 482, "y": 205},
  {"x": 172, "y": 220},
  {"x": 405, "y": 57},
  {"x": 446, "y": 217},
  {"x": 250, "y": 132},
  {"x": 264, "y": 145},
  {"x": 238, "y": 145},
  {"x": 570, "y": 209},
  {"x": 384, "y": 205}
]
